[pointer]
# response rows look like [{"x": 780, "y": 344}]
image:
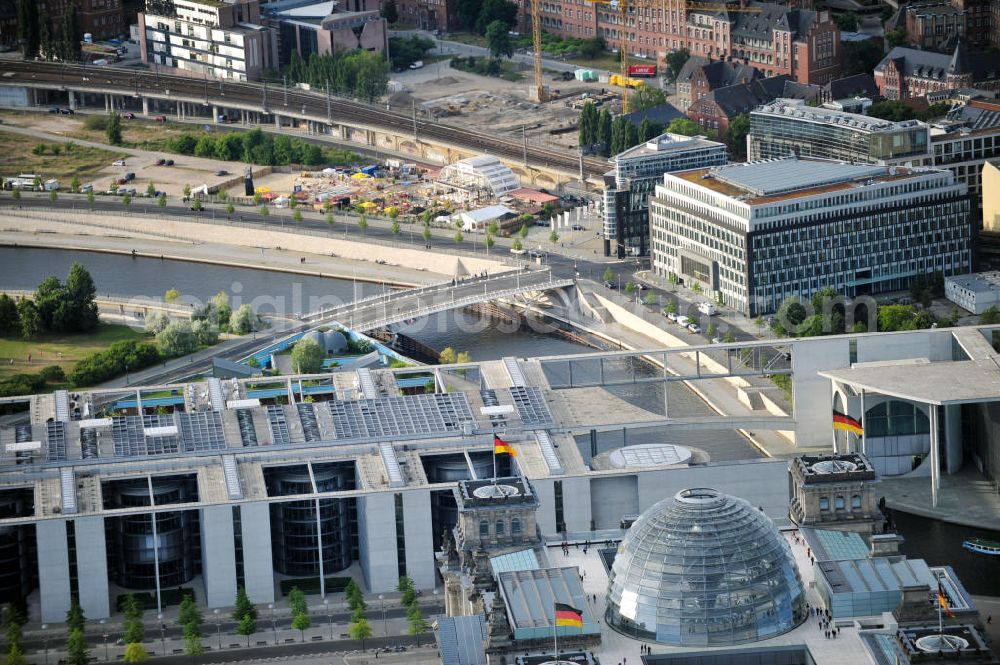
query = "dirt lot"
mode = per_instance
[
  {"x": 479, "y": 102},
  {"x": 92, "y": 158}
]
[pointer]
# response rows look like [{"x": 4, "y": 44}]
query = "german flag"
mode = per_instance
[
  {"x": 846, "y": 423},
  {"x": 567, "y": 615},
  {"x": 502, "y": 447},
  {"x": 942, "y": 600}
]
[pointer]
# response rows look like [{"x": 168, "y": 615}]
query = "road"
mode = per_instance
[{"x": 290, "y": 102}]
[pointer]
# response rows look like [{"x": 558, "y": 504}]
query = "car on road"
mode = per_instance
[
  {"x": 543, "y": 222},
  {"x": 535, "y": 254},
  {"x": 168, "y": 162},
  {"x": 694, "y": 327},
  {"x": 419, "y": 64},
  {"x": 608, "y": 285},
  {"x": 128, "y": 115},
  {"x": 578, "y": 227},
  {"x": 221, "y": 172},
  {"x": 67, "y": 111},
  {"x": 118, "y": 162},
  {"x": 672, "y": 316},
  {"x": 517, "y": 252},
  {"x": 161, "y": 161}
]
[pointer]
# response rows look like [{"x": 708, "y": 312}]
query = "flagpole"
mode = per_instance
[
  {"x": 555, "y": 633},
  {"x": 494, "y": 458}
]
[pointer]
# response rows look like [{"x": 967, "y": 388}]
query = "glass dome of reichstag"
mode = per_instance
[{"x": 704, "y": 569}]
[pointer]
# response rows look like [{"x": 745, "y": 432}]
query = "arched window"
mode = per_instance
[
  {"x": 515, "y": 526},
  {"x": 824, "y": 503},
  {"x": 838, "y": 502},
  {"x": 855, "y": 501},
  {"x": 895, "y": 418},
  {"x": 499, "y": 527},
  {"x": 484, "y": 528}
]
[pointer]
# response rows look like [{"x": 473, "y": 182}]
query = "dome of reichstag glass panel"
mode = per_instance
[{"x": 703, "y": 569}]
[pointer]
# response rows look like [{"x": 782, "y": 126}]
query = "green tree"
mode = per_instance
[
  {"x": 74, "y": 184},
  {"x": 151, "y": 190},
  {"x": 517, "y": 246},
  {"x": 646, "y": 97},
  {"x": 53, "y": 196},
  {"x": 243, "y": 606},
  {"x": 523, "y": 231},
  {"x": 162, "y": 201},
  {"x": 498, "y": 40},
  {"x": 81, "y": 295},
  {"x": 10, "y": 326},
  {"x": 90, "y": 197},
  {"x": 426, "y": 233},
  {"x": 389, "y": 12},
  {"x": 861, "y": 57},
  {"x": 38, "y": 150},
  {"x": 127, "y": 200},
  {"x": 458, "y": 237},
  {"x": 696, "y": 287},
  {"x": 135, "y": 653},
  {"x": 736, "y": 136},
  {"x": 15, "y": 656},
  {"x": 896, "y": 37},
  {"x": 16, "y": 194},
  {"x": 70, "y": 34},
  {"x": 77, "y": 652},
  {"x": 190, "y": 614},
  {"x": 489, "y": 242},
  {"x": 297, "y": 216},
  {"x": 230, "y": 209},
  {"x": 187, "y": 191},
  {"x": 496, "y": 10},
  {"x": 301, "y": 622},
  {"x": 135, "y": 631},
  {"x": 847, "y": 22},
  {"x": 297, "y": 600},
  {"x": 177, "y": 339},
  {"x": 172, "y": 295},
  {"x": 416, "y": 624},
  {"x": 307, "y": 357},
  {"x": 75, "y": 619},
  {"x": 588, "y": 125},
  {"x": 362, "y": 223},
  {"x": 395, "y": 229},
  {"x": 990, "y": 316},
  {"x": 405, "y": 583},
  {"x": 28, "y": 28},
  {"x": 649, "y": 299},
  {"x": 193, "y": 646},
  {"x": 28, "y": 318},
  {"x": 196, "y": 205},
  {"x": 243, "y": 320},
  {"x": 609, "y": 275},
  {"x": 648, "y": 130},
  {"x": 675, "y": 62},
  {"x": 684, "y": 126},
  {"x": 789, "y": 317},
  {"x": 329, "y": 218},
  {"x": 360, "y": 630},
  {"x": 604, "y": 131},
  {"x": 553, "y": 237},
  {"x": 114, "y": 129},
  {"x": 447, "y": 356},
  {"x": 264, "y": 212},
  {"x": 247, "y": 626},
  {"x": 630, "y": 287},
  {"x": 670, "y": 307}
]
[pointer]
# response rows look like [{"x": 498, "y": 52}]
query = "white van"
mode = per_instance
[
  {"x": 683, "y": 321},
  {"x": 707, "y": 308}
]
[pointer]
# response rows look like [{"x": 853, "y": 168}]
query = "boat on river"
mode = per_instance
[{"x": 982, "y": 546}]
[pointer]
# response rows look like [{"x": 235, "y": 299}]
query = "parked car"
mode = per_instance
[
  {"x": 578, "y": 227},
  {"x": 66, "y": 111},
  {"x": 707, "y": 308},
  {"x": 694, "y": 327},
  {"x": 221, "y": 172},
  {"x": 419, "y": 64},
  {"x": 161, "y": 161},
  {"x": 535, "y": 254},
  {"x": 54, "y": 109},
  {"x": 169, "y": 162},
  {"x": 608, "y": 285},
  {"x": 160, "y": 118},
  {"x": 128, "y": 115},
  {"x": 672, "y": 316},
  {"x": 118, "y": 162}
]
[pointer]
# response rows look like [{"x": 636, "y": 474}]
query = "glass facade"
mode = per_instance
[
  {"x": 704, "y": 569},
  {"x": 835, "y": 135}
]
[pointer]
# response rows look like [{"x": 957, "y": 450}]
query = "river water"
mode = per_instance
[{"x": 23, "y": 268}]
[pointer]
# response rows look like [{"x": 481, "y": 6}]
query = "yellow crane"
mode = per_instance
[{"x": 536, "y": 42}]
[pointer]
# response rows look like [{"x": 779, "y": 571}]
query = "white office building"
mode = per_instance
[{"x": 761, "y": 232}]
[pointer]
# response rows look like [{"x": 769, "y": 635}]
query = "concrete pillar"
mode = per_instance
[
  {"x": 546, "y": 515},
  {"x": 145, "y": 106},
  {"x": 180, "y": 113},
  {"x": 53, "y": 569},
  {"x": 277, "y": 121},
  {"x": 215, "y": 114},
  {"x": 72, "y": 99},
  {"x": 377, "y": 541},
  {"x": 953, "y": 437},
  {"x": 576, "y": 503},
  {"x": 258, "y": 567},
  {"x": 218, "y": 555},
  {"x": 107, "y": 103},
  {"x": 419, "y": 539},
  {"x": 935, "y": 454},
  {"x": 92, "y": 567}
]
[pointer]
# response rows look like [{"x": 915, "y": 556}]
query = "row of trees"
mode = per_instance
[
  {"x": 361, "y": 74},
  {"x": 257, "y": 147},
  {"x": 117, "y": 359},
  {"x": 476, "y": 15},
  {"x": 41, "y": 37},
  {"x": 54, "y": 308}
]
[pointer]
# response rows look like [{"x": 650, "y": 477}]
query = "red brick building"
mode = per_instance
[
  {"x": 907, "y": 73},
  {"x": 932, "y": 24},
  {"x": 428, "y": 14},
  {"x": 715, "y": 110},
  {"x": 775, "y": 39}
]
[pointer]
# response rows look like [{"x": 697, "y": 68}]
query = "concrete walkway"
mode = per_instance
[{"x": 964, "y": 498}]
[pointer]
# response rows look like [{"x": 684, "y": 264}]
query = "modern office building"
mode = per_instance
[
  {"x": 307, "y": 27},
  {"x": 965, "y": 142},
  {"x": 754, "y": 234},
  {"x": 218, "y": 38},
  {"x": 790, "y": 128},
  {"x": 636, "y": 172}
]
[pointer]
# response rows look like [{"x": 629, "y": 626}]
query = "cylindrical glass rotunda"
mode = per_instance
[{"x": 704, "y": 569}]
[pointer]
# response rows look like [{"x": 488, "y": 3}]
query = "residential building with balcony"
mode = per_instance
[
  {"x": 218, "y": 38},
  {"x": 754, "y": 234}
]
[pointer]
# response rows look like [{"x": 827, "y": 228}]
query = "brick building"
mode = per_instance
[
  {"x": 906, "y": 73},
  {"x": 775, "y": 39},
  {"x": 699, "y": 76},
  {"x": 715, "y": 110},
  {"x": 428, "y": 14},
  {"x": 936, "y": 24}
]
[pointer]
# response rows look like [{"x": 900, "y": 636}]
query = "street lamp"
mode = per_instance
[
  {"x": 329, "y": 616},
  {"x": 385, "y": 628},
  {"x": 274, "y": 626},
  {"x": 104, "y": 632},
  {"x": 218, "y": 626},
  {"x": 163, "y": 644},
  {"x": 45, "y": 637}
]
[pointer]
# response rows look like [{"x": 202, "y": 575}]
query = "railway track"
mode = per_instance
[{"x": 292, "y": 102}]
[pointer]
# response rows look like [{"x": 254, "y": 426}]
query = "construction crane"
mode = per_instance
[
  {"x": 536, "y": 42},
  {"x": 623, "y": 7}
]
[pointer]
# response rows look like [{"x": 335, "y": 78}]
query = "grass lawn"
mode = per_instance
[
  {"x": 82, "y": 161},
  {"x": 62, "y": 350}
]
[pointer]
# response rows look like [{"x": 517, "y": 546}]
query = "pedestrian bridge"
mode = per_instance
[{"x": 394, "y": 307}]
